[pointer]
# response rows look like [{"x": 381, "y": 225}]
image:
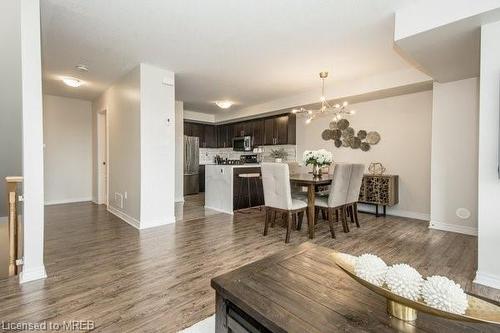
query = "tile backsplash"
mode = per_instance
[{"x": 207, "y": 155}]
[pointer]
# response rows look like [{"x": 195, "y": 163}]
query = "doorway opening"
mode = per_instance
[{"x": 102, "y": 158}]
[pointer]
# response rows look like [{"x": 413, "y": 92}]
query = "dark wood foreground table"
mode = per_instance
[
  {"x": 301, "y": 290},
  {"x": 307, "y": 180}
]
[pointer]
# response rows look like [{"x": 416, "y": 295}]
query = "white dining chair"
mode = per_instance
[
  {"x": 298, "y": 192},
  {"x": 357, "y": 173},
  {"x": 337, "y": 198},
  {"x": 278, "y": 196}
]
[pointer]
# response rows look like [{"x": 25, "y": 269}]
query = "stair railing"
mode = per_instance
[{"x": 12, "y": 199}]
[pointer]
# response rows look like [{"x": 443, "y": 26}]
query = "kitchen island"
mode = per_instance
[{"x": 226, "y": 192}]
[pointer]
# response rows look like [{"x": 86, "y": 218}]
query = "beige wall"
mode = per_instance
[
  {"x": 67, "y": 135},
  {"x": 455, "y": 118},
  {"x": 122, "y": 103},
  {"x": 11, "y": 162},
  {"x": 488, "y": 272},
  {"x": 404, "y": 123}
]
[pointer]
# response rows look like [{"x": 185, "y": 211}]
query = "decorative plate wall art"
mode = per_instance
[{"x": 343, "y": 135}]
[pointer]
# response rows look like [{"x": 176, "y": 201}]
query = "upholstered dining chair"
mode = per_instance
[
  {"x": 337, "y": 198},
  {"x": 357, "y": 173},
  {"x": 297, "y": 191},
  {"x": 278, "y": 196}
]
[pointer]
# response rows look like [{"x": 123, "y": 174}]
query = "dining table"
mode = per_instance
[{"x": 311, "y": 182}]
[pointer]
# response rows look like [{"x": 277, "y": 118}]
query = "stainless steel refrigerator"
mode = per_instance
[{"x": 191, "y": 165}]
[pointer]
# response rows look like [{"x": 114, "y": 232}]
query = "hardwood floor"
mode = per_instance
[{"x": 104, "y": 270}]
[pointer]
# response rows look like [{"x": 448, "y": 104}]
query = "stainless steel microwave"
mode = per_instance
[{"x": 243, "y": 143}]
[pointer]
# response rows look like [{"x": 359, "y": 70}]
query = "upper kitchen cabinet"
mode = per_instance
[
  {"x": 280, "y": 130},
  {"x": 205, "y": 133},
  {"x": 258, "y": 132},
  {"x": 210, "y": 137},
  {"x": 225, "y": 136}
]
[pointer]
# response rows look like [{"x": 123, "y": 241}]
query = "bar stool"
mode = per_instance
[{"x": 248, "y": 177}]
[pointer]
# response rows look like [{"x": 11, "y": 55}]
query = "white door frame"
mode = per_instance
[{"x": 102, "y": 143}]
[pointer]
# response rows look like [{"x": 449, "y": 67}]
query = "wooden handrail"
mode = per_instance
[{"x": 12, "y": 183}]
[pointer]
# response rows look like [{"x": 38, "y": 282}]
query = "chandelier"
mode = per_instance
[{"x": 338, "y": 110}]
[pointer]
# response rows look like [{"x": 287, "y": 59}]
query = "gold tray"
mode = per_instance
[{"x": 479, "y": 311}]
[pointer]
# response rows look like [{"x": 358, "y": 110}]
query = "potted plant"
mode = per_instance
[
  {"x": 318, "y": 159},
  {"x": 279, "y": 154}
]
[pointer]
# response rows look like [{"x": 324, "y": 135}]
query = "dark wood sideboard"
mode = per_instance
[
  {"x": 379, "y": 190},
  {"x": 302, "y": 290}
]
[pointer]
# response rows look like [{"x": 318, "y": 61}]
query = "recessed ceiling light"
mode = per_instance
[
  {"x": 72, "y": 82},
  {"x": 224, "y": 104},
  {"x": 82, "y": 68}
]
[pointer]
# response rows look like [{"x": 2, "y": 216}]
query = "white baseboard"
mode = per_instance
[
  {"x": 4, "y": 219},
  {"x": 396, "y": 212},
  {"x": 179, "y": 199},
  {"x": 65, "y": 201},
  {"x": 219, "y": 210},
  {"x": 129, "y": 219},
  {"x": 488, "y": 280},
  {"x": 152, "y": 224},
  {"x": 453, "y": 228},
  {"x": 32, "y": 274}
]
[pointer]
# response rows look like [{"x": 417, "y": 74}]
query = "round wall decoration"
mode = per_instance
[
  {"x": 356, "y": 143},
  {"x": 373, "y": 137},
  {"x": 336, "y": 134},
  {"x": 348, "y": 132},
  {"x": 326, "y": 135},
  {"x": 343, "y": 135},
  {"x": 342, "y": 124}
]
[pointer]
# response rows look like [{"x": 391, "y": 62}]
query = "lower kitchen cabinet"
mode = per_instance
[{"x": 202, "y": 178}]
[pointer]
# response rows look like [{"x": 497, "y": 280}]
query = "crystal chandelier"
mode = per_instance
[{"x": 338, "y": 111}]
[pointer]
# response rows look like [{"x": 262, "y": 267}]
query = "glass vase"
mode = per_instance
[{"x": 317, "y": 172}]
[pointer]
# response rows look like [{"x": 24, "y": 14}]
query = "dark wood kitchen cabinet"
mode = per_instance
[
  {"x": 276, "y": 130},
  {"x": 206, "y": 134},
  {"x": 258, "y": 132},
  {"x": 280, "y": 130},
  {"x": 210, "y": 137},
  {"x": 225, "y": 136},
  {"x": 201, "y": 178}
]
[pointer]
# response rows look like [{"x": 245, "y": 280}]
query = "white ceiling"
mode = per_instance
[{"x": 247, "y": 51}]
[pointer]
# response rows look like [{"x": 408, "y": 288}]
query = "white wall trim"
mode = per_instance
[
  {"x": 179, "y": 199},
  {"x": 219, "y": 210},
  {"x": 128, "y": 219},
  {"x": 4, "y": 219},
  {"x": 396, "y": 212},
  {"x": 32, "y": 274},
  {"x": 488, "y": 280},
  {"x": 461, "y": 229},
  {"x": 65, "y": 201},
  {"x": 157, "y": 223}
]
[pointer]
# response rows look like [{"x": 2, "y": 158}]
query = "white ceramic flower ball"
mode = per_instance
[
  {"x": 371, "y": 268},
  {"x": 442, "y": 293},
  {"x": 405, "y": 281}
]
